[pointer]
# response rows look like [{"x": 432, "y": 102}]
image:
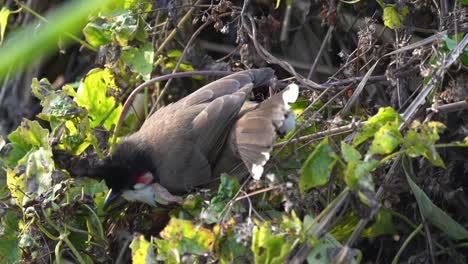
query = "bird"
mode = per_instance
[{"x": 189, "y": 143}]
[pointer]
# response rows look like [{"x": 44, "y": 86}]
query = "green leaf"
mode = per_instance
[
  {"x": 231, "y": 251},
  {"x": 434, "y": 214},
  {"x": 30, "y": 133},
  {"x": 359, "y": 178},
  {"x": 318, "y": 167},
  {"x": 386, "y": 139},
  {"x": 358, "y": 175},
  {"x": 140, "y": 60},
  {"x": 125, "y": 28},
  {"x": 291, "y": 224},
  {"x": 142, "y": 251},
  {"x": 28, "y": 136},
  {"x": 320, "y": 253},
  {"x": 227, "y": 189},
  {"x": 350, "y": 154},
  {"x": 452, "y": 43},
  {"x": 29, "y": 159},
  {"x": 357, "y": 172},
  {"x": 383, "y": 225},
  {"x": 32, "y": 175},
  {"x": 39, "y": 168},
  {"x": 93, "y": 95},
  {"x": 56, "y": 104},
  {"x": 138, "y": 5},
  {"x": 97, "y": 34},
  {"x": 464, "y": 2},
  {"x": 182, "y": 237},
  {"x": 393, "y": 18},
  {"x": 92, "y": 187},
  {"x": 41, "y": 89},
  {"x": 4, "y": 14},
  {"x": 268, "y": 247},
  {"x": 9, "y": 243},
  {"x": 385, "y": 115},
  {"x": 174, "y": 56},
  {"x": 420, "y": 141}
]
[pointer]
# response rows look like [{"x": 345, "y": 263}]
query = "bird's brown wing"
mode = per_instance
[
  {"x": 227, "y": 85},
  {"x": 256, "y": 131},
  {"x": 220, "y": 103},
  {"x": 189, "y": 134}
]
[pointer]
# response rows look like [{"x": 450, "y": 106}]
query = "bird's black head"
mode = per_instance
[{"x": 129, "y": 168}]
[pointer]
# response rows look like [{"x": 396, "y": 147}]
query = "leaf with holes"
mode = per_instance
[
  {"x": 393, "y": 17},
  {"x": 97, "y": 34},
  {"x": 140, "y": 60},
  {"x": 142, "y": 251},
  {"x": 269, "y": 247},
  {"x": 93, "y": 94},
  {"x": 180, "y": 237},
  {"x": 385, "y": 115},
  {"x": 386, "y": 139},
  {"x": 420, "y": 141}
]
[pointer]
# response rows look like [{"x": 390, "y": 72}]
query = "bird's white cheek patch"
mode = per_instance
[
  {"x": 144, "y": 195},
  {"x": 139, "y": 186}
]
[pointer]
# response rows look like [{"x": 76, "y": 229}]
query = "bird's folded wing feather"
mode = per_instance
[
  {"x": 221, "y": 102},
  {"x": 193, "y": 130},
  {"x": 227, "y": 85}
]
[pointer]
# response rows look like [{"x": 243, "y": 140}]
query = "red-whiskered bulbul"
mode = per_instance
[{"x": 191, "y": 142}]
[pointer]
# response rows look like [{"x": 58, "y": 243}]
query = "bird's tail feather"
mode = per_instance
[{"x": 257, "y": 130}]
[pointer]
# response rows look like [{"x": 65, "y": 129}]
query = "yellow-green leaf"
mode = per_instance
[
  {"x": 140, "y": 60},
  {"x": 420, "y": 141},
  {"x": 4, "y": 14},
  {"x": 386, "y": 139},
  {"x": 393, "y": 18},
  {"x": 142, "y": 252},
  {"x": 97, "y": 34},
  {"x": 385, "y": 115},
  {"x": 269, "y": 247},
  {"x": 350, "y": 154},
  {"x": 93, "y": 95},
  {"x": 183, "y": 236}
]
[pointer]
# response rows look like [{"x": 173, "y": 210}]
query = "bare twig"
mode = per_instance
[
  {"x": 182, "y": 56},
  {"x": 452, "y": 107},
  {"x": 434, "y": 81},
  {"x": 181, "y": 23},
  {"x": 326, "y": 39},
  {"x": 266, "y": 55},
  {"x": 322, "y": 134},
  {"x": 358, "y": 90}
]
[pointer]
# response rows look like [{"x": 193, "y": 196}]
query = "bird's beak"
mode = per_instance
[{"x": 110, "y": 198}]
